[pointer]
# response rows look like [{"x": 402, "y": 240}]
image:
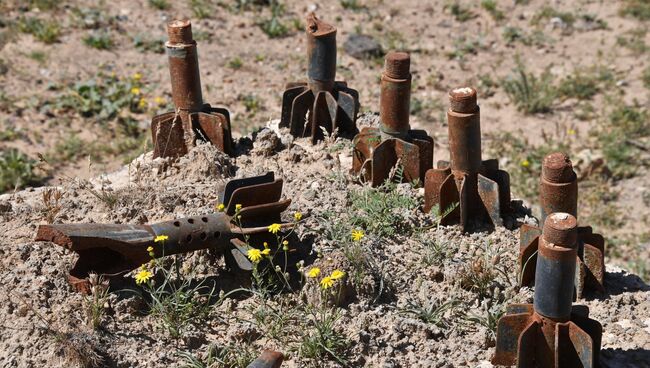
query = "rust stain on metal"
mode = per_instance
[
  {"x": 559, "y": 193},
  {"x": 378, "y": 150},
  {"x": 321, "y": 102},
  {"x": 268, "y": 359},
  {"x": 115, "y": 249},
  {"x": 551, "y": 333},
  {"x": 174, "y": 133},
  {"x": 477, "y": 186}
]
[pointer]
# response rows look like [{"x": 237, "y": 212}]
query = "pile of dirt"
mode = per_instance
[{"x": 391, "y": 283}]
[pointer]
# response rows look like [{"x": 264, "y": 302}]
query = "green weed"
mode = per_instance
[
  {"x": 16, "y": 170},
  {"x": 159, "y": 4},
  {"x": 237, "y": 355},
  {"x": 46, "y": 31},
  {"x": 274, "y": 27},
  {"x": 235, "y": 63},
  {"x": 321, "y": 338},
  {"x": 434, "y": 312},
  {"x": 639, "y": 9},
  {"x": 460, "y": 12},
  {"x": 202, "y": 9},
  {"x": 99, "y": 40},
  {"x": 491, "y": 7},
  {"x": 381, "y": 210},
  {"x": 530, "y": 93},
  {"x": 547, "y": 12},
  {"x": 634, "y": 40}
]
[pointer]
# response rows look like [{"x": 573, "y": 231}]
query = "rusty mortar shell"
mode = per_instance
[
  {"x": 552, "y": 332},
  {"x": 556, "y": 266},
  {"x": 321, "y": 54},
  {"x": 395, "y": 98},
  {"x": 183, "y": 66},
  {"x": 464, "y": 120},
  {"x": 558, "y": 186}
]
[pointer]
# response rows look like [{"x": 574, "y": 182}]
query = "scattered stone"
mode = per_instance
[{"x": 361, "y": 46}]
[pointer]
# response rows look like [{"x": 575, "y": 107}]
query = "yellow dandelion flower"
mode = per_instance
[
  {"x": 143, "y": 276},
  {"x": 337, "y": 274},
  {"x": 297, "y": 216},
  {"x": 135, "y": 91},
  {"x": 266, "y": 245},
  {"x": 221, "y": 207},
  {"x": 357, "y": 235},
  {"x": 160, "y": 238},
  {"x": 137, "y": 76},
  {"x": 150, "y": 249},
  {"x": 313, "y": 272},
  {"x": 285, "y": 245},
  {"x": 159, "y": 100},
  {"x": 254, "y": 255},
  {"x": 274, "y": 228},
  {"x": 266, "y": 251},
  {"x": 238, "y": 207},
  {"x": 571, "y": 131},
  {"x": 525, "y": 163},
  {"x": 142, "y": 103},
  {"x": 326, "y": 283}
]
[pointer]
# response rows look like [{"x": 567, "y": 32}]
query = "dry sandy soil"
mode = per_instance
[{"x": 42, "y": 320}]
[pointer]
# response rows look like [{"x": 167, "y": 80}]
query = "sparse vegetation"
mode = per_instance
[
  {"x": 159, "y": 4},
  {"x": 236, "y": 355},
  {"x": 16, "y": 170},
  {"x": 235, "y": 63},
  {"x": 491, "y": 7},
  {"x": 46, "y": 31},
  {"x": 435, "y": 312},
  {"x": 530, "y": 93},
  {"x": 639, "y": 9},
  {"x": 634, "y": 40},
  {"x": 99, "y": 40},
  {"x": 273, "y": 26},
  {"x": 460, "y": 12}
]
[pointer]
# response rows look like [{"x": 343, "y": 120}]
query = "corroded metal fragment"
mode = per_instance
[
  {"x": 378, "y": 150},
  {"x": 551, "y": 333},
  {"x": 112, "y": 250},
  {"x": 559, "y": 193},
  {"x": 174, "y": 133},
  {"x": 321, "y": 103},
  {"x": 480, "y": 191}
]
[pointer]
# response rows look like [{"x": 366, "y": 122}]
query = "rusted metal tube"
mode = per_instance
[
  {"x": 464, "y": 131},
  {"x": 395, "y": 98},
  {"x": 556, "y": 267},
  {"x": 183, "y": 66},
  {"x": 558, "y": 186},
  {"x": 321, "y": 54}
]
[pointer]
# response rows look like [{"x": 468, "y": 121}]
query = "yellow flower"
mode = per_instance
[
  {"x": 337, "y": 274},
  {"x": 254, "y": 255},
  {"x": 357, "y": 235},
  {"x": 142, "y": 103},
  {"x": 266, "y": 245},
  {"x": 274, "y": 228},
  {"x": 160, "y": 238},
  {"x": 159, "y": 100},
  {"x": 571, "y": 131},
  {"x": 285, "y": 245},
  {"x": 238, "y": 207},
  {"x": 143, "y": 276},
  {"x": 221, "y": 207},
  {"x": 326, "y": 283},
  {"x": 150, "y": 249},
  {"x": 266, "y": 252},
  {"x": 135, "y": 91},
  {"x": 525, "y": 163},
  {"x": 297, "y": 216},
  {"x": 314, "y": 272},
  {"x": 137, "y": 76}
]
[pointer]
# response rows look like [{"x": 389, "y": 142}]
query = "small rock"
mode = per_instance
[{"x": 362, "y": 47}]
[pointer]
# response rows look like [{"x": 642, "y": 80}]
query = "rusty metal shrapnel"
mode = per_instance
[
  {"x": 377, "y": 151},
  {"x": 175, "y": 132},
  {"x": 268, "y": 359},
  {"x": 559, "y": 193},
  {"x": 551, "y": 333},
  {"x": 112, "y": 250},
  {"x": 322, "y": 102},
  {"x": 480, "y": 189}
]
